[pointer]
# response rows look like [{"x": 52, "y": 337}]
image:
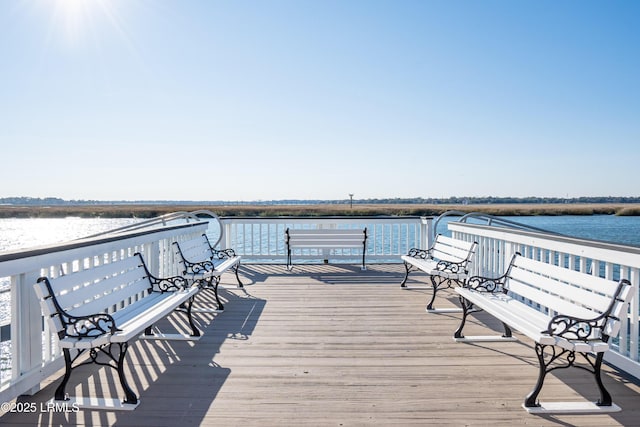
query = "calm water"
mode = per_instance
[
  {"x": 609, "y": 228},
  {"x": 20, "y": 233}
]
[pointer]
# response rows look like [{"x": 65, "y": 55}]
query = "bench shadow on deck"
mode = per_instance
[{"x": 330, "y": 345}]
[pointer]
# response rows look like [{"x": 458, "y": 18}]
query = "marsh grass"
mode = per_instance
[{"x": 150, "y": 211}]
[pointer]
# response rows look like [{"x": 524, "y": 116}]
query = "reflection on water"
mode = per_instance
[{"x": 21, "y": 233}]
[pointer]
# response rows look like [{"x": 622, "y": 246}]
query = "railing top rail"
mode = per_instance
[
  {"x": 490, "y": 220},
  {"x": 606, "y": 251},
  {"x": 161, "y": 219}
]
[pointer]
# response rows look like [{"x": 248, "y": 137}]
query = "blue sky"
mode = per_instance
[{"x": 316, "y": 99}]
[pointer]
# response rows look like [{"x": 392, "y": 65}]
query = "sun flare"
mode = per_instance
[
  {"x": 71, "y": 17},
  {"x": 75, "y": 21}
]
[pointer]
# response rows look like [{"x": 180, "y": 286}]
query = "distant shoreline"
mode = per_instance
[{"x": 150, "y": 211}]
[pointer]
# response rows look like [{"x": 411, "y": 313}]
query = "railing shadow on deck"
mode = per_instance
[
  {"x": 622, "y": 386},
  {"x": 176, "y": 381}
]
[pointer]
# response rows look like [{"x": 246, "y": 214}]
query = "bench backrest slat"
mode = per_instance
[
  {"x": 555, "y": 303},
  {"x": 119, "y": 297},
  {"x": 586, "y": 281},
  {"x": 68, "y": 284},
  {"x": 84, "y": 293},
  {"x": 194, "y": 250},
  {"x": 569, "y": 292},
  {"x": 48, "y": 308},
  {"x": 94, "y": 290},
  {"x": 449, "y": 254},
  {"x": 452, "y": 250},
  {"x": 324, "y": 238},
  {"x": 613, "y": 327},
  {"x": 325, "y": 232},
  {"x": 455, "y": 243},
  {"x": 72, "y": 280}
]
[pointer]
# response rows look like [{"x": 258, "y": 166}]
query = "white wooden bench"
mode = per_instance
[
  {"x": 204, "y": 265},
  {"x": 96, "y": 312},
  {"x": 325, "y": 239},
  {"x": 563, "y": 311},
  {"x": 446, "y": 262}
]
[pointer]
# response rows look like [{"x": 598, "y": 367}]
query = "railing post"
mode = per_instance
[
  {"x": 226, "y": 231},
  {"x": 426, "y": 231},
  {"x": 151, "y": 256},
  {"x": 26, "y": 327}
]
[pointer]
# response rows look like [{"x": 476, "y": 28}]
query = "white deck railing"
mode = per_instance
[
  {"x": 262, "y": 239},
  {"x": 33, "y": 356},
  {"x": 497, "y": 244},
  {"x": 30, "y": 355}
]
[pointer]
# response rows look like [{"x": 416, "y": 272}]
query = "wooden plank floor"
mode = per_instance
[{"x": 331, "y": 345}]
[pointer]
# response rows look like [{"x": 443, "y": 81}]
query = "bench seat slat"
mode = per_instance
[
  {"x": 429, "y": 267},
  {"x": 134, "y": 319},
  {"x": 510, "y": 311},
  {"x": 526, "y": 320},
  {"x": 221, "y": 266},
  {"x": 140, "y": 317}
]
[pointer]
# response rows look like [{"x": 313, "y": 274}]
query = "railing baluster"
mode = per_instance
[{"x": 388, "y": 238}]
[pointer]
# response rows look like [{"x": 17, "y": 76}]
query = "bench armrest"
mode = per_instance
[
  {"x": 573, "y": 328},
  {"x": 570, "y": 327},
  {"x": 164, "y": 284},
  {"x": 492, "y": 285},
  {"x": 419, "y": 253},
  {"x": 219, "y": 253},
  {"x": 168, "y": 284},
  {"x": 87, "y": 326},
  {"x": 91, "y": 326},
  {"x": 222, "y": 253},
  {"x": 452, "y": 267},
  {"x": 198, "y": 267}
]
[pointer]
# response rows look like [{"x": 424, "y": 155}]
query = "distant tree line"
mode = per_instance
[
  {"x": 55, "y": 201},
  {"x": 503, "y": 200}
]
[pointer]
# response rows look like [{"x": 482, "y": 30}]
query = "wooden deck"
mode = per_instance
[{"x": 332, "y": 345}]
